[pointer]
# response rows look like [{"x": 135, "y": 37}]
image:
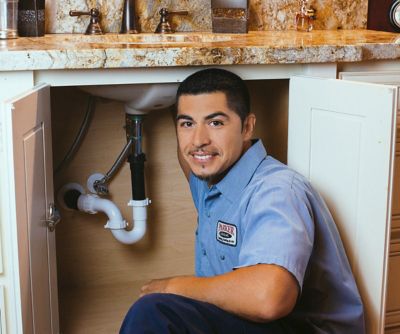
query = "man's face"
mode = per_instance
[{"x": 210, "y": 135}]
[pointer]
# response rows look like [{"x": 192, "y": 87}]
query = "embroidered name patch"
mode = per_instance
[{"x": 226, "y": 233}]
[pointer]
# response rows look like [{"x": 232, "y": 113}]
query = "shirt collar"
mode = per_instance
[{"x": 232, "y": 185}]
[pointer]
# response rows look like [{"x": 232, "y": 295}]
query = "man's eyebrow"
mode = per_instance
[
  {"x": 183, "y": 116},
  {"x": 216, "y": 114},
  {"x": 208, "y": 117}
]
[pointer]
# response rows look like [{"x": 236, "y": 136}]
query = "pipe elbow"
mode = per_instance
[
  {"x": 132, "y": 236},
  {"x": 139, "y": 215},
  {"x": 93, "y": 204}
]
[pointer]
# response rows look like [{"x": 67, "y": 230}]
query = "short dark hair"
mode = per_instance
[{"x": 214, "y": 80}]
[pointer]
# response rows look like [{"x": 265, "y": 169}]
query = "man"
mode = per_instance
[{"x": 268, "y": 256}]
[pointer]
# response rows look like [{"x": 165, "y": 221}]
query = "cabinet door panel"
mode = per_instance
[
  {"x": 387, "y": 78},
  {"x": 341, "y": 136},
  {"x": 32, "y": 157}
]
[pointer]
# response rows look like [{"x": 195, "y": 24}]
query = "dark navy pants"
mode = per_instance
[{"x": 168, "y": 313}]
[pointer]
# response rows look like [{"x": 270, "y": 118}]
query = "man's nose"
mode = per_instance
[{"x": 201, "y": 136}]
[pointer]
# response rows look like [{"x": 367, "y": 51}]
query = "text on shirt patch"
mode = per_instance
[{"x": 226, "y": 233}]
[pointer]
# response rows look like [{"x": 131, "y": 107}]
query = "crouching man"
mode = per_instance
[{"x": 268, "y": 255}]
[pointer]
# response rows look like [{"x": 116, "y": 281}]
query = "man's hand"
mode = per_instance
[{"x": 155, "y": 285}]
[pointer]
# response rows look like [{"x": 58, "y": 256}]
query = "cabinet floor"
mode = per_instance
[{"x": 99, "y": 309}]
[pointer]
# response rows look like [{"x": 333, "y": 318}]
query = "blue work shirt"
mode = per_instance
[{"x": 264, "y": 212}]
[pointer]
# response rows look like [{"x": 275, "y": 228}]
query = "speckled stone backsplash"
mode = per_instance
[{"x": 264, "y": 14}]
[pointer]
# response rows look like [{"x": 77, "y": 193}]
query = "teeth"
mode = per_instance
[{"x": 202, "y": 157}]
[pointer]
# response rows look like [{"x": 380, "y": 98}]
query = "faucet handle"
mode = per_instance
[
  {"x": 94, "y": 26},
  {"x": 164, "y": 27}
]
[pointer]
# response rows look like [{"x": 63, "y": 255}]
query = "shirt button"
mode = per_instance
[
  {"x": 208, "y": 214},
  {"x": 222, "y": 257},
  {"x": 204, "y": 252}
]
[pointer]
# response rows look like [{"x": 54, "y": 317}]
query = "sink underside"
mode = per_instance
[{"x": 138, "y": 98}]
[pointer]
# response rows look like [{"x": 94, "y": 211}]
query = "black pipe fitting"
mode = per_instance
[
  {"x": 71, "y": 198},
  {"x": 136, "y": 163},
  {"x": 136, "y": 157}
]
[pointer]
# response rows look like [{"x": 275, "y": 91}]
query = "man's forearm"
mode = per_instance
[
  {"x": 219, "y": 291},
  {"x": 259, "y": 293}
]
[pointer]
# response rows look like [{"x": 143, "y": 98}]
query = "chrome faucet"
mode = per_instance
[{"x": 129, "y": 23}]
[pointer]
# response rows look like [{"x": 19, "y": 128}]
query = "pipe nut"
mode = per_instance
[{"x": 115, "y": 225}]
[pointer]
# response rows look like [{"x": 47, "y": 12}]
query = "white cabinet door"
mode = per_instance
[
  {"x": 393, "y": 292},
  {"x": 29, "y": 115},
  {"x": 342, "y": 137}
]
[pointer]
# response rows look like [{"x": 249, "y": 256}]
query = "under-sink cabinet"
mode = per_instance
[{"x": 341, "y": 135}]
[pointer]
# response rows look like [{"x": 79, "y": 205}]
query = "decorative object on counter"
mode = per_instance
[
  {"x": 94, "y": 25},
  {"x": 230, "y": 16},
  {"x": 379, "y": 12},
  {"x": 394, "y": 15},
  {"x": 129, "y": 22},
  {"x": 31, "y": 18},
  {"x": 305, "y": 17},
  {"x": 164, "y": 26},
  {"x": 8, "y": 19}
]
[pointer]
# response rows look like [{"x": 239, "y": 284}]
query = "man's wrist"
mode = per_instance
[{"x": 179, "y": 285}]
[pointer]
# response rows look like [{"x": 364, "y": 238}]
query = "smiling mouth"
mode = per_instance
[{"x": 202, "y": 156}]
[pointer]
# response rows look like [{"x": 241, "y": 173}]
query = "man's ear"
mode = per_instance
[{"x": 249, "y": 126}]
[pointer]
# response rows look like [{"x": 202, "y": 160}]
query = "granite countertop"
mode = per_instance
[{"x": 75, "y": 51}]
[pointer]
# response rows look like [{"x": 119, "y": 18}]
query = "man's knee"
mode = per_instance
[
  {"x": 154, "y": 313},
  {"x": 147, "y": 304},
  {"x": 141, "y": 315}
]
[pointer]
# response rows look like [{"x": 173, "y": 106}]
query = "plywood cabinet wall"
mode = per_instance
[
  {"x": 98, "y": 277},
  {"x": 90, "y": 260}
]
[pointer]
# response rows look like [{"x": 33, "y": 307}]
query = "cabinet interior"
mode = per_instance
[{"x": 98, "y": 277}]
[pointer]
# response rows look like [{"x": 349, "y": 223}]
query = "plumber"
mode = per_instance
[{"x": 268, "y": 255}]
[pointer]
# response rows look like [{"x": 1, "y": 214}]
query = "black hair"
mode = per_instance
[{"x": 214, "y": 80}]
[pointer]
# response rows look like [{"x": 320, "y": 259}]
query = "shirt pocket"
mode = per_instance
[{"x": 227, "y": 256}]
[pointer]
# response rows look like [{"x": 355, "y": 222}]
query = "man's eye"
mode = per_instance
[
  {"x": 186, "y": 124},
  {"x": 216, "y": 123}
]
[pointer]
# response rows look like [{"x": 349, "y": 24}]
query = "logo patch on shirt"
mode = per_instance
[{"x": 226, "y": 233}]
